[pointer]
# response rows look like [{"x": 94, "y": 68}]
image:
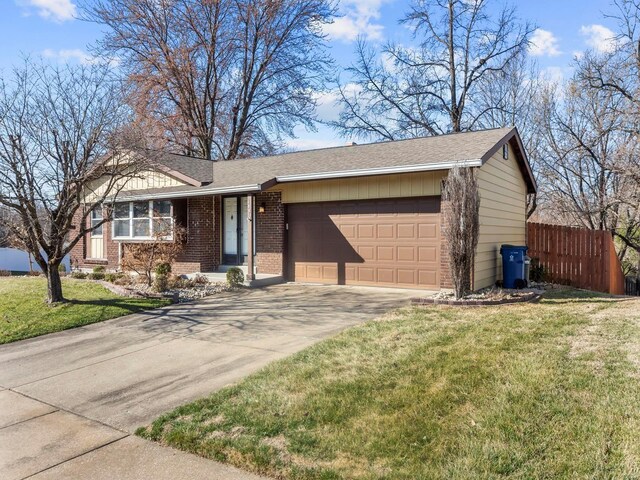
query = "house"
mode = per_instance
[{"x": 359, "y": 214}]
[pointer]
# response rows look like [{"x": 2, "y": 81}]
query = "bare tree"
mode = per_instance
[
  {"x": 511, "y": 97},
  {"x": 56, "y": 126},
  {"x": 462, "y": 225},
  {"x": 431, "y": 89},
  {"x": 616, "y": 72},
  {"x": 143, "y": 257},
  {"x": 588, "y": 151},
  {"x": 219, "y": 78}
]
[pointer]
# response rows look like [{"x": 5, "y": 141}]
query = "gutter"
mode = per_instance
[
  {"x": 378, "y": 171},
  {"x": 190, "y": 193}
]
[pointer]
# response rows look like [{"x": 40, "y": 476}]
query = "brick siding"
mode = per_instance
[
  {"x": 270, "y": 233},
  {"x": 201, "y": 252}
]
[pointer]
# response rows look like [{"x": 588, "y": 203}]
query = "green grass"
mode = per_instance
[
  {"x": 24, "y": 313},
  {"x": 547, "y": 390}
]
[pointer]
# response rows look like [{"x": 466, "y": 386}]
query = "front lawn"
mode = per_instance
[
  {"x": 24, "y": 313},
  {"x": 547, "y": 390}
]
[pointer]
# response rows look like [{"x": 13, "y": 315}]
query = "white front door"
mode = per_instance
[
  {"x": 230, "y": 226},
  {"x": 235, "y": 230}
]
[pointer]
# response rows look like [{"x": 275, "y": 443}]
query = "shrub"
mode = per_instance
[
  {"x": 163, "y": 269},
  {"x": 143, "y": 258},
  {"x": 79, "y": 275},
  {"x": 99, "y": 269},
  {"x": 62, "y": 269},
  {"x": 537, "y": 272},
  {"x": 123, "y": 279},
  {"x": 235, "y": 277},
  {"x": 5, "y": 273},
  {"x": 175, "y": 281},
  {"x": 461, "y": 220},
  {"x": 200, "y": 280},
  {"x": 96, "y": 275},
  {"x": 161, "y": 283},
  {"x": 110, "y": 277}
]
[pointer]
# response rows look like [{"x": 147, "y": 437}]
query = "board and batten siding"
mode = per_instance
[
  {"x": 141, "y": 181},
  {"x": 363, "y": 188},
  {"x": 503, "y": 195}
]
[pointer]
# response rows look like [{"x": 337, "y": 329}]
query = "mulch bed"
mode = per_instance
[{"x": 476, "y": 302}]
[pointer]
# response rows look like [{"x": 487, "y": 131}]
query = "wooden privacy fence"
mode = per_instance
[{"x": 577, "y": 256}]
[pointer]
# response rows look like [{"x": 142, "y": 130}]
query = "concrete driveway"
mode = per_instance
[{"x": 69, "y": 401}]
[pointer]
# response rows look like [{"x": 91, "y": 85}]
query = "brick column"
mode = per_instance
[{"x": 270, "y": 233}]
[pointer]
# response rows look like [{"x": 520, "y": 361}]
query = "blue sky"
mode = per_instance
[{"x": 48, "y": 28}]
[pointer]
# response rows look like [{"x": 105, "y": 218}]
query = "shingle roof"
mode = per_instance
[
  {"x": 439, "y": 152},
  {"x": 451, "y": 148},
  {"x": 199, "y": 169}
]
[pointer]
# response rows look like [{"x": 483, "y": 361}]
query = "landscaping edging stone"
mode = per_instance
[
  {"x": 529, "y": 297},
  {"x": 128, "y": 292}
]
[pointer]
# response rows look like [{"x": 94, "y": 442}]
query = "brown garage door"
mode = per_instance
[{"x": 373, "y": 242}]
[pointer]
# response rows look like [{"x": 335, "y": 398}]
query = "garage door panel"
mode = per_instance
[
  {"x": 428, "y": 277},
  {"x": 386, "y": 253},
  {"x": 406, "y": 230},
  {"x": 385, "y": 231},
  {"x": 428, "y": 254},
  {"x": 366, "y": 231},
  {"x": 390, "y": 242},
  {"x": 407, "y": 276},
  {"x": 386, "y": 275},
  {"x": 407, "y": 254},
  {"x": 428, "y": 231}
]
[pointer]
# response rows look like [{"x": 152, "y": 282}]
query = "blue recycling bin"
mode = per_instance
[{"x": 513, "y": 266}]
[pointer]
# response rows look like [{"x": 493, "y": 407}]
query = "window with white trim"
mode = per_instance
[
  {"x": 143, "y": 220},
  {"x": 96, "y": 218}
]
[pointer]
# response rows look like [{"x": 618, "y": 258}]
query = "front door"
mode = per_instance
[{"x": 235, "y": 240}]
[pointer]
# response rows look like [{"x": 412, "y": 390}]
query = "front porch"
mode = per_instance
[
  {"x": 220, "y": 230},
  {"x": 258, "y": 280}
]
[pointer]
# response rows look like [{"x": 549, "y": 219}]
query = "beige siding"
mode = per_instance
[
  {"x": 96, "y": 247},
  {"x": 363, "y": 188},
  {"x": 502, "y": 215},
  {"x": 141, "y": 181}
]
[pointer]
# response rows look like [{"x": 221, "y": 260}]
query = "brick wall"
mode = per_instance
[
  {"x": 270, "y": 233},
  {"x": 201, "y": 251},
  {"x": 81, "y": 249}
]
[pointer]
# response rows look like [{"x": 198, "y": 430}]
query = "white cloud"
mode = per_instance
[
  {"x": 359, "y": 17},
  {"x": 327, "y": 108},
  {"x": 70, "y": 55},
  {"x": 555, "y": 75},
  {"x": 544, "y": 42},
  {"x": 599, "y": 37},
  {"x": 58, "y": 10}
]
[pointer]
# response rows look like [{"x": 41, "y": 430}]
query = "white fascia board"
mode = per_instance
[
  {"x": 123, "y": 197},
  {"x": 379, "y": 171}
]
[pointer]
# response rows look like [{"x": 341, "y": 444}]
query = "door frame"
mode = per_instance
[{"x": 238, "y": 258}]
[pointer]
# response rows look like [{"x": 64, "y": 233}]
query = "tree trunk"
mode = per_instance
[{"x": 54, "y": 285}]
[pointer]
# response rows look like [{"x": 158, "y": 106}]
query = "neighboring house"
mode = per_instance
[
  {"x": 14, "y": 260},
  {"x": 360, "y": 214}
]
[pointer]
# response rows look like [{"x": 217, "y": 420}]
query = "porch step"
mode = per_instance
[
  {"x": 261, "y": 280},
  {"x": 224, "y": 268}
]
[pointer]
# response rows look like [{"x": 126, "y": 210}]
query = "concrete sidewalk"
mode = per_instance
[{"x": 70, "y": 401}]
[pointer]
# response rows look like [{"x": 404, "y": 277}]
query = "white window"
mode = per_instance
[
  {"x": 96, "y": 218},
  {"x": 143, "y": 220}
]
